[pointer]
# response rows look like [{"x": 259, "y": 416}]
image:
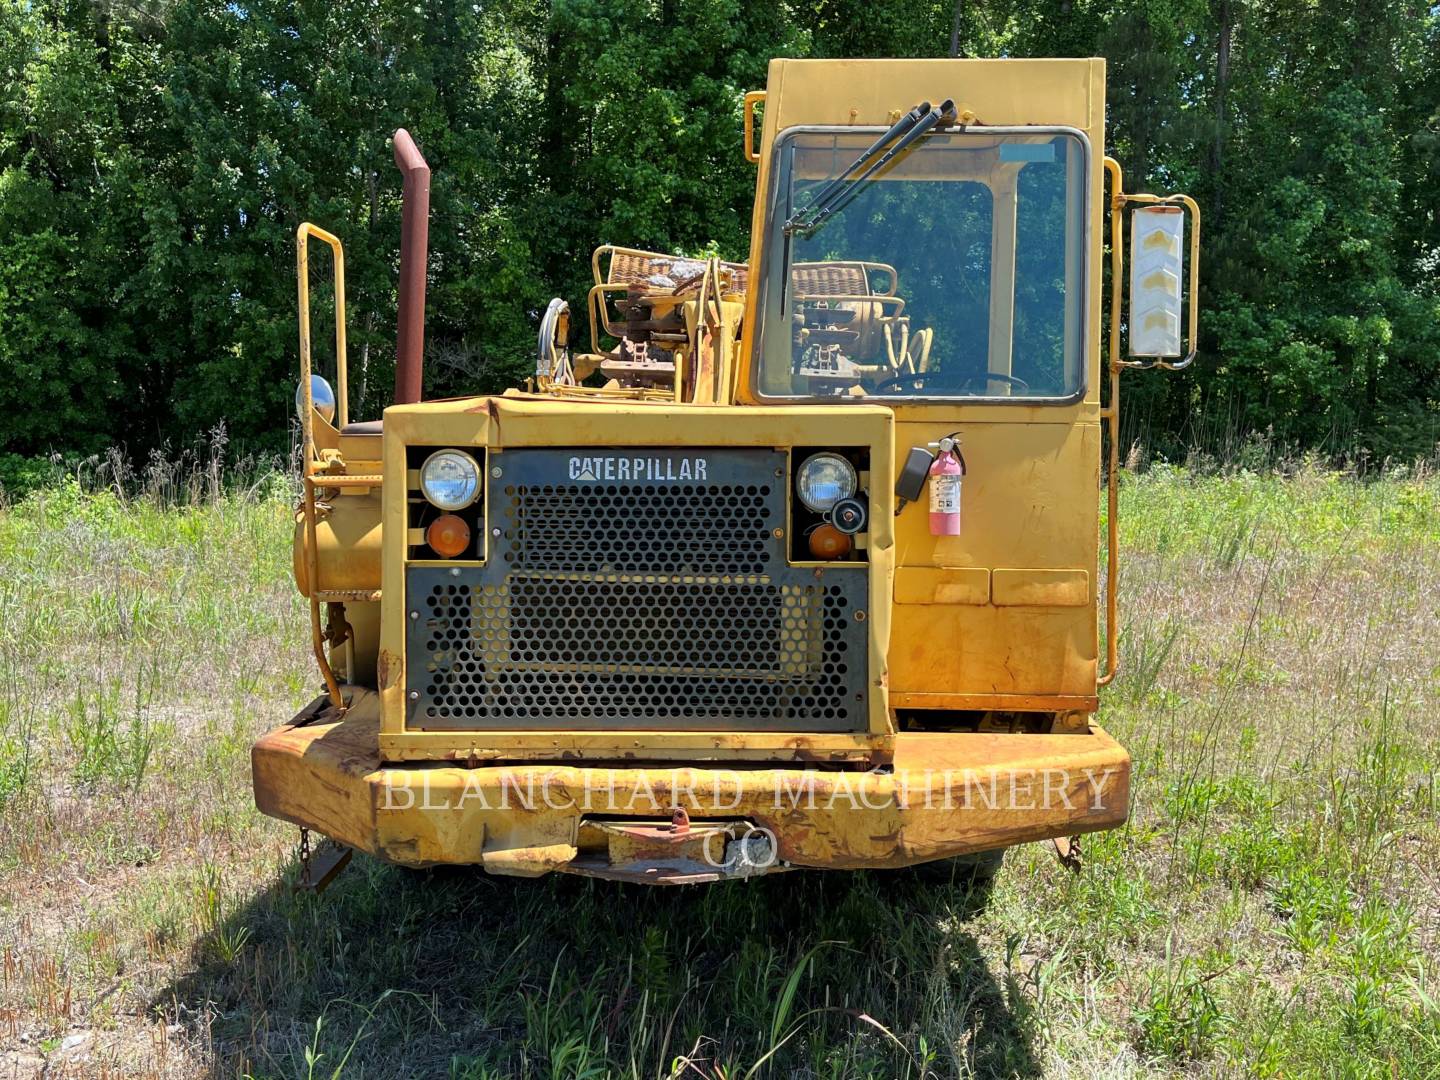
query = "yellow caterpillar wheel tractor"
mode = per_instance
[{"x": 797, "y": 565}]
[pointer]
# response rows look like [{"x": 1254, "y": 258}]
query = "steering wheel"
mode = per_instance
[
  {"x": 898, "y": 384},
  {"x": 995, "y": 376}
]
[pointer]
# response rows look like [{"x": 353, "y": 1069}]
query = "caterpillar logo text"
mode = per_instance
[{"x": 617, "y": 467}]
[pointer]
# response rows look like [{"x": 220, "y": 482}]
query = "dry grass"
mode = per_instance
[{"x": 1273, "y": 907}]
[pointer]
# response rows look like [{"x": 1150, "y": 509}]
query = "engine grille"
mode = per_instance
[
  {"x": 644, "y": 528},
  {"x": 648, "y": 604}
]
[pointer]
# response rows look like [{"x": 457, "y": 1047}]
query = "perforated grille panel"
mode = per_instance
[
  {"x": 692, "y": 528},
  {"x": 650, "y": 603}
]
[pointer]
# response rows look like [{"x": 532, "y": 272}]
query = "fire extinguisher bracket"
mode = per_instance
[{"x": 910, "y": 484}]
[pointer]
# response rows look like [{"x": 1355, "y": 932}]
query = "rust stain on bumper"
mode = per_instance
[{"x": 947, "y": 794}]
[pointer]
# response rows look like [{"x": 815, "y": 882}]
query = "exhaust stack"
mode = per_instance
[{"x": 414, "y": 248}]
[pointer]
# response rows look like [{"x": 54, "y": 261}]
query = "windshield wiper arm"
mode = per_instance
[
  {"x": 942, "y": 115},
  {"x": 898, "y": 129}
]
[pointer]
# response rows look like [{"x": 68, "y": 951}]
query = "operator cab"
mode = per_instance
[{"x": 955, "y": 271}]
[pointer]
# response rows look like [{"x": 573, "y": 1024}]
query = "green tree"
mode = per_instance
[{"x": 155, "y": 160}]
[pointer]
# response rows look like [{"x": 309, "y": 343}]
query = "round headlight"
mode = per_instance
[
  {"x": 321, "y": 397},
  {"x": 450, "y": 479},
  {"x": 823, "y": 480}
]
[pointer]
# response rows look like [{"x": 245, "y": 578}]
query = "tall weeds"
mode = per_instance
[{"x": 1272, "y": 907}]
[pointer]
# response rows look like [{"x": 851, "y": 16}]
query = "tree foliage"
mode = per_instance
[{"x": 157, "y": 155}]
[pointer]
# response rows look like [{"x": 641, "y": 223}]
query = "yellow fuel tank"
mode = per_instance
[{"x": 347, "y": 544}]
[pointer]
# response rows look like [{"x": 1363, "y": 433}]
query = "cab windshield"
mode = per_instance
[{"x": 957, "y": 271}]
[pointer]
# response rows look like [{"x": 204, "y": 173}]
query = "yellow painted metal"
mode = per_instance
[
  {"x": 519, "y": 420},
  {"x": 1112, "y": 416},
  {"x": 1039, "y": 588},
  {"x": 946, "y": 794},
  {"x": 942, "y": 585},
  {"x": 753, "y": 98},
  {"x": 310, "y": 459},
  {"x": 302, "y": 272},
  {"x": 343, "y": 543},
  {"x": 1028, "y": 503},
  {"x": 712, "y": 323},
  {"x": 999, "y": 620}
]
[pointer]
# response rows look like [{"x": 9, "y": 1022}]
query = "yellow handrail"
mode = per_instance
[
  {"x": 1112, "y": 415},
  {"x": 1118, "y": 200},
  {"x": 753, "y": 98},
  {"x": 307, "y": 426},
  {"x": 302, "y": 268},
  {"x": 599, "y": 316}
]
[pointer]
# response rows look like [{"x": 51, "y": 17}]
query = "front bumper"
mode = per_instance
[{"x": 947, "y": 794}]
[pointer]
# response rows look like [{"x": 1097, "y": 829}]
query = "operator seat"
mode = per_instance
[{"x": 364, "y": 427}]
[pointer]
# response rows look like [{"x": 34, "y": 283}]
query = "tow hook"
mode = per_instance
[{"x": 679, "y": 822}]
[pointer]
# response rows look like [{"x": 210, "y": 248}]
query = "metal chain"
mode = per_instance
[
  {"x": 1076, "y": 859},
  {"x": 304, "y": 856},
  {"x": 1067, "y": 850}
]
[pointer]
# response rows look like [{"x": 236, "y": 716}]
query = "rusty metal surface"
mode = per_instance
[
  {"x": 414, "y": 243},
  {"x": 508, "y": 424},
  {"x": 323, "y": 866},
  {"x": 329, "y": 777},
  {"x": 1002, "y": 618},
  {"x": 674, "y": 852},
  {"x": 1067, "y": 850}
]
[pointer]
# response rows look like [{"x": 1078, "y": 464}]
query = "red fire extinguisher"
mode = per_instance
[{"x": 945, "y": 475}]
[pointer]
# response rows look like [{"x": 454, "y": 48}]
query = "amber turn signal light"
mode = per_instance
[
  {"x": 448, "y": 535},
  {"x": 828, "y": 542}
]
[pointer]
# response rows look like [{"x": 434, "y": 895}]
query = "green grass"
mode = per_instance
[{"x": 1271, "y": 909}]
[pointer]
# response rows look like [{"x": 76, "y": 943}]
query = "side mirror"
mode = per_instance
[
  {"x": 1157, "y": 267},
  {"x": 322, "y": 397}
]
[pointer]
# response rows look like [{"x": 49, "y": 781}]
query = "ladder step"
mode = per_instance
[{"x": 346, "y": 480}]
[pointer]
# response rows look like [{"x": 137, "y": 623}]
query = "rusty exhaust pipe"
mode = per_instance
[{"x": 414, "y": 248}]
